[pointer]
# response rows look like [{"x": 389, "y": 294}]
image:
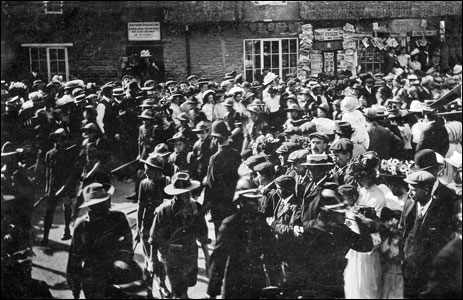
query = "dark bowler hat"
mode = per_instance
[
  {"x": 343, "y": 127},
  {"x": 154, "y": 161},
  {"x": 219, "y": 129},
  {"x": 255, "y": 109},
  {"x": 318, "y": 160},
  {"x": 425, "y": 159},
  {"x": 371, "y": 114},
  {"x": 181, "y": 184},
  {"x": 286, "y": 181},
  {"x": 421, "y": 178},
  {"x": 201, "y": 126},
  {"x": 96, "y": 193},
  {"x": 343, "y": 144},
  {"x": 319, "y": 135}
]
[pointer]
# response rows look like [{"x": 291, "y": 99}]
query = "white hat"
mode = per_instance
[
  {"x": 417, "y": 106},
  {"x": 456, "y": 69},
  {"x": 269, "y": 78},
  {"x": 415, "y": 51},
  {"x": 455, "y": 160},
  {"x": 349, "y": 104}
]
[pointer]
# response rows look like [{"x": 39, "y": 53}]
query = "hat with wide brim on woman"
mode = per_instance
[{"x": 181, "y": 184}]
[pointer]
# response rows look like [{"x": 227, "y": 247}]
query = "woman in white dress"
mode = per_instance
[
  {"x": 351, "y": 114},
  {"x": 363, "y": 274}
]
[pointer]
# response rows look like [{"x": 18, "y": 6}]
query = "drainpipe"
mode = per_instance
[{"x": 187, "y": 46}]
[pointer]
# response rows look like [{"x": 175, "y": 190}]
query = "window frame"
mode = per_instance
[
  {"x": 63, "y": 46},
  {"x": 52, "y": 12},
  {"x": 361, "y": 50},
  {"x": 261, "y": 54}
]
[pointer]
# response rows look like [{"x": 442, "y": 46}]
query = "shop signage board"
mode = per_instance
[
  {"x": 144, "y": 31},
  {"x": 348, "y": 45},
  {"x": 365, "y": 42},
  {"x": 424, "y": 32},
  {"x": 328, "y": 34},
  {"x": 349, "y": 28}
]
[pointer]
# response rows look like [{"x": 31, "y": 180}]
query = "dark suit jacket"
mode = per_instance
[
  {"x": 422, "y": 246},
  {"x": 222, "y": 176},
  {"x": 383, "y": 141},
  {"x": 236, "y": 259},
  {"x": 445, "y": 279}
]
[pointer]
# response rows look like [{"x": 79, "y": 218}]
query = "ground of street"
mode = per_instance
[{"x": 49, "y": 263}]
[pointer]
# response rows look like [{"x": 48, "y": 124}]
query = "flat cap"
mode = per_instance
[
  {"x": 420, "y": 178},
  {"x": 287, "y": 147},
  {"x": 342, "y": 145},
  {"x": 264, "y": 167},
  {"x": 286, "y": 181},
  {"x": 254, "y": 160},
  {"x": 298, "y": 155},
  {"x": 319, "y": 135}
]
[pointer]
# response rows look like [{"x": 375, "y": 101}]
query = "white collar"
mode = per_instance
[{"x": 424, "y": 209}]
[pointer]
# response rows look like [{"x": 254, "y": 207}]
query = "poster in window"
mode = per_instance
[{"x": 328, "y": 65}]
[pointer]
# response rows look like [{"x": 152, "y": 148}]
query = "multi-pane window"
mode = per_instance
[
  {"x": 53, "y": 7},
  {"x": 277, "y": 55},
  {"x": 49, "y": 60},
  {"x": 370, "y": 59}
]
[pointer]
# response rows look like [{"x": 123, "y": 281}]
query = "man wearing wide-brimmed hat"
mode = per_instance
[
  {"x": 100, "y": 239},
  {"x": 222, "y": 176},
  {"x": 60, "y": 168},
  {"x": 177, "y": 225},
  {"x": 434, "y": 135},
  {"x": 318, "y": 169},
  {"x": 203, "y": 149}
]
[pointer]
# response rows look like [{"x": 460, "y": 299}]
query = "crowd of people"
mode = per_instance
[{"x": 327, "y": 187}]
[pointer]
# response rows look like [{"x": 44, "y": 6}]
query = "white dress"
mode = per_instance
[
  {"x": 360, "y": 137},
  {"x": 363, "y": 273}
]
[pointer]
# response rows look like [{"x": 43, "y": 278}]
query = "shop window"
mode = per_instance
[
  {"x": 371, "y": 59},
  {"x": 49, "y": 60},
  {"x": 277, "y": 55},
  {"x": 53, "y": 7}
]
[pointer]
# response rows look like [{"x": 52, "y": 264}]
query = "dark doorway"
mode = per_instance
[{"x": 147, "y": 68}]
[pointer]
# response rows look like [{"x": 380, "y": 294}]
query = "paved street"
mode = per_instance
[{"x": 50, "y": 262}]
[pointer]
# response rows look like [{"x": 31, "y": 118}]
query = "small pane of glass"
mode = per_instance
[
  {"x": 61, "y": 54},
  {"x": 275, "y": 47},
  {"x": 275, "y": 61},
  {"x": 256, "y": 46},
  {"x": 61, "y": 67},
  {"x": 266, "y": 47},
  {"x": 293, "y": 45},
  {"x": 257, "y": 61},
  {"x": 42, "y": 53},
  {"x": 54, "y": 67},
  {"x": 285, "y": 46},
  {"x": 267, "y": 61}
]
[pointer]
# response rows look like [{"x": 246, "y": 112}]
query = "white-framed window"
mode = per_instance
[
  {"x": 53, "y": 7},
  {"x": 278, "y": 55},
  {"x": 371, "y": 59},
  {"x": 49, "y": 59}
]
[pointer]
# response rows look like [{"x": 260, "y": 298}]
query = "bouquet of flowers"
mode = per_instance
[{"x": 395, "y": 167}]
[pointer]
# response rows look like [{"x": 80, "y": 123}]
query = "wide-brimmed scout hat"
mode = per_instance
[
  {"x": 154, "y": 161},
  {"x": 161, "y": 149},
  {"x": 201, "y": 126},
  {"x": 181, "y": 184},
  {"x": 96, "y": 193}
]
